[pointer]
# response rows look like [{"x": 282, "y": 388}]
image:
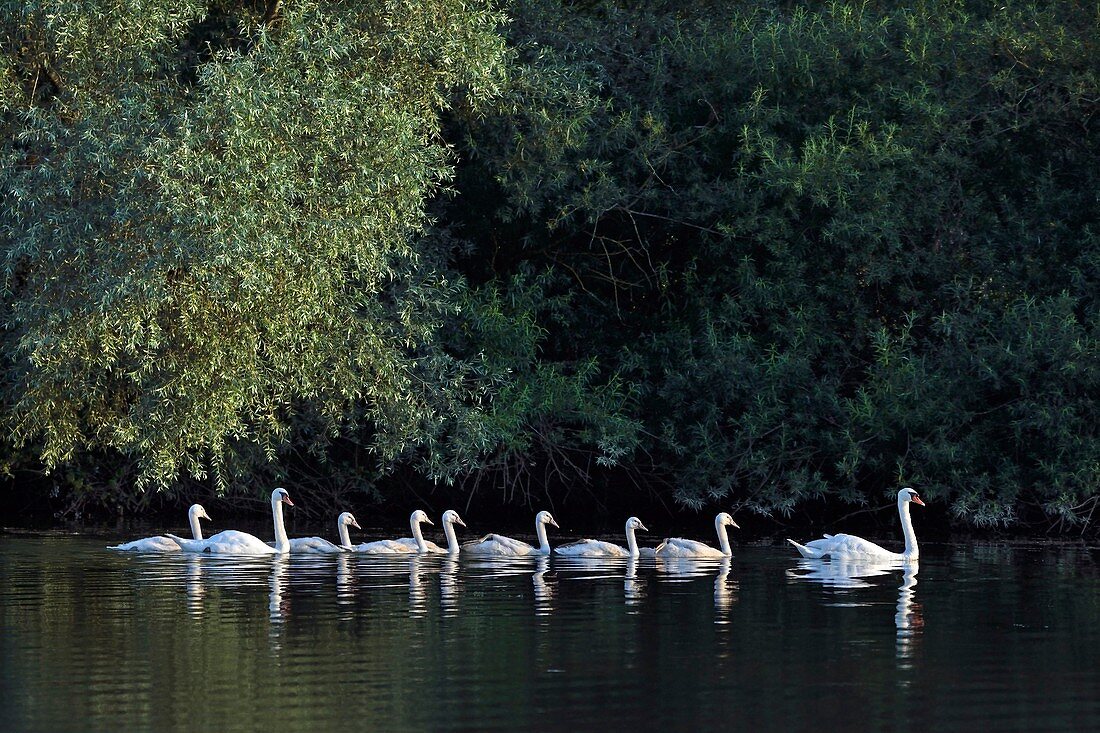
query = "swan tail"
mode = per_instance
[{"x": 810, "y": 552}]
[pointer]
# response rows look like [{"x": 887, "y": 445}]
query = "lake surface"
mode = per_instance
[{"x": 986, "y": 636}]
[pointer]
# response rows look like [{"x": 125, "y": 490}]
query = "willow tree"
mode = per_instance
[{"x": 207, "y": 210}]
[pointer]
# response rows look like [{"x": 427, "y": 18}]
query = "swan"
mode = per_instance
[
  {"x": 232, "y": 542},
  {"x": 166, "y": 543},
  {"x": 678, "y": 547},
  {"x": 321, "y": 546},
  {"x": 846, "y": 545},
  {"x": 495, "y": 544},
  {"x": 598, "y": 548},
  {"x": 450, "y": 519},
  {"x": 403, "y": 546}
]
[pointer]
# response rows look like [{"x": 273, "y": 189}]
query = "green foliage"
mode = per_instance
[
  {"x": 836, "y": 248},
  {"x": 758, "y": 253}
]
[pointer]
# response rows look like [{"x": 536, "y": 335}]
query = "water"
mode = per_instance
[{"x": 983, "y": 636}]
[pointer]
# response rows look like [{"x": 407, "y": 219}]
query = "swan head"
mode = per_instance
[
  {"x": 451, "y": 517},
  {"x": 420, "y": 516},
  {"x": 196, "y": 510},
  {"x": 545, "y": 518},
  {"x": 635, "y": 523},
  {"x": 348, "y": 519},
  {"x": 281, "y": 495},
  {"x": 725, "y": 520},
  {"x": 908, "y": 494}
]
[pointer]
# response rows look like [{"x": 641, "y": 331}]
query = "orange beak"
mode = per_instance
[
  {"x": 287, "y": 501},
  {"x": 918, "y": 500}
]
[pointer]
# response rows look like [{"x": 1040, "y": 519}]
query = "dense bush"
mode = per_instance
[{"x": 749, "y": 253}]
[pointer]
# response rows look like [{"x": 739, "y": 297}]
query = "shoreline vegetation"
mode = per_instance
[{"x": 775, "y": 258}]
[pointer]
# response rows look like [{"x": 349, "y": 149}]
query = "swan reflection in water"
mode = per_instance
[
  {"x": 277, "y": 606},
  {"x": 418, "y": 595},
  {"x": 633, "y": 586},
  {"x": 448, "y": 586},
  {"x": 853, "y": 573},
  {"x": 544, "y": 590},
  {"x": 196, "y": 587},
  {"x": 684, "y": 569},
  {"x": 909, "y": 619}
]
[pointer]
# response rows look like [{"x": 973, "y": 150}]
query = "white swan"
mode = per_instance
[
  {"x": 166, "y": 543},
  {"x": 846, "y": 545},
  {"x": 403, "y": 546},
  {"x": 599, "y": 548},
  {"x": 678, "y": 547},
  {"x": 232, "y": 542},
  {"x": 495, "y": 544},
  {"x": 321, "y": 546},
  {"x": 450, "y": 519}
]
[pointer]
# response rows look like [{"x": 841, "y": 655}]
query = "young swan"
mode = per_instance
[
  {"x": 679, "y": 547},
  {"x": 599, "y": 548},
  {"x": 166, "y": 543},
  {"x": 321, "y": 546},
  {"x": 847, "y": 545},
  {"x": 495, "y": 544},
  {"x": 403, "y": 546}
]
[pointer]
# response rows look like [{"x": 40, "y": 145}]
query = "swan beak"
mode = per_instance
[
  {"x": 287, "y": 501},
  {"x": 553, "y": 522},
  {"x": 918, "y": 500},
  {"x": 355, "y": 524},
  {"x": 429, "y": 521},
  {"x": 458, "y": 520},
  {"x": 642, "y": 527},
  {"x": 735, "y": 525}
]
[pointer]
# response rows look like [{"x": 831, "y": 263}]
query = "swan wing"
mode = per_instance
[
  {"x": 495, "y": 544},
  {"x": 431, "y": 547},
  {"x": 149, "y": 544},
  {"x": 679, "y": 547},
  {"x": 386, "y": 547},
  {"x": 591, "y": 548},
  {"x": 315, "y": 546},
  {"x": 843, "y": 545}
]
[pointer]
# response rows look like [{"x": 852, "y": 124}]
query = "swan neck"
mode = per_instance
[
  {"x": 723, "y": 538},
  {"x": 907, "y": 531},
  {"x": 345, "y": 534},
  {"x": 452, "y": 539},
  {"x": 282, "y": 544},
  {"x": 544, "y": 542},
  {"x": 631, "y": 541},
  {"x": 196, "y": 528},
  {"x": 421, "y": 546}
]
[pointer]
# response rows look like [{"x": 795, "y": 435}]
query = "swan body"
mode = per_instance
[
  {"x": 321, "y": 546},
  {"x": 450, "y": 519},
  {"x": 495, "y": 544},
  {"x": 679, "y": 547},
  {"x": 406, "y": 546},
  {"x": 167, "y": 543},
  {"x": 232, "y": 542},
  {"x": 847, "y": 545},
  {"x": 599, "y": 548}
]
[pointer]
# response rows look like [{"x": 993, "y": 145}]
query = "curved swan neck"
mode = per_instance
[
  {"x": 723, "y": 538},
  {"x": 345, "y": 534},
  {"x": 631, "y": 540},
  {"x": 911, "y": 550},
  {"x": 414, "y": 524},
  {"x": 196, "y": 528},
  {"x": 452, "y": 539},
  {"x": 282, "y": 544},
  {"x": 544, "y": 542}
]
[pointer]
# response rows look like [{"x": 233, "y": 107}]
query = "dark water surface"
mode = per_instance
[{"x": 983, "y": 637}]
